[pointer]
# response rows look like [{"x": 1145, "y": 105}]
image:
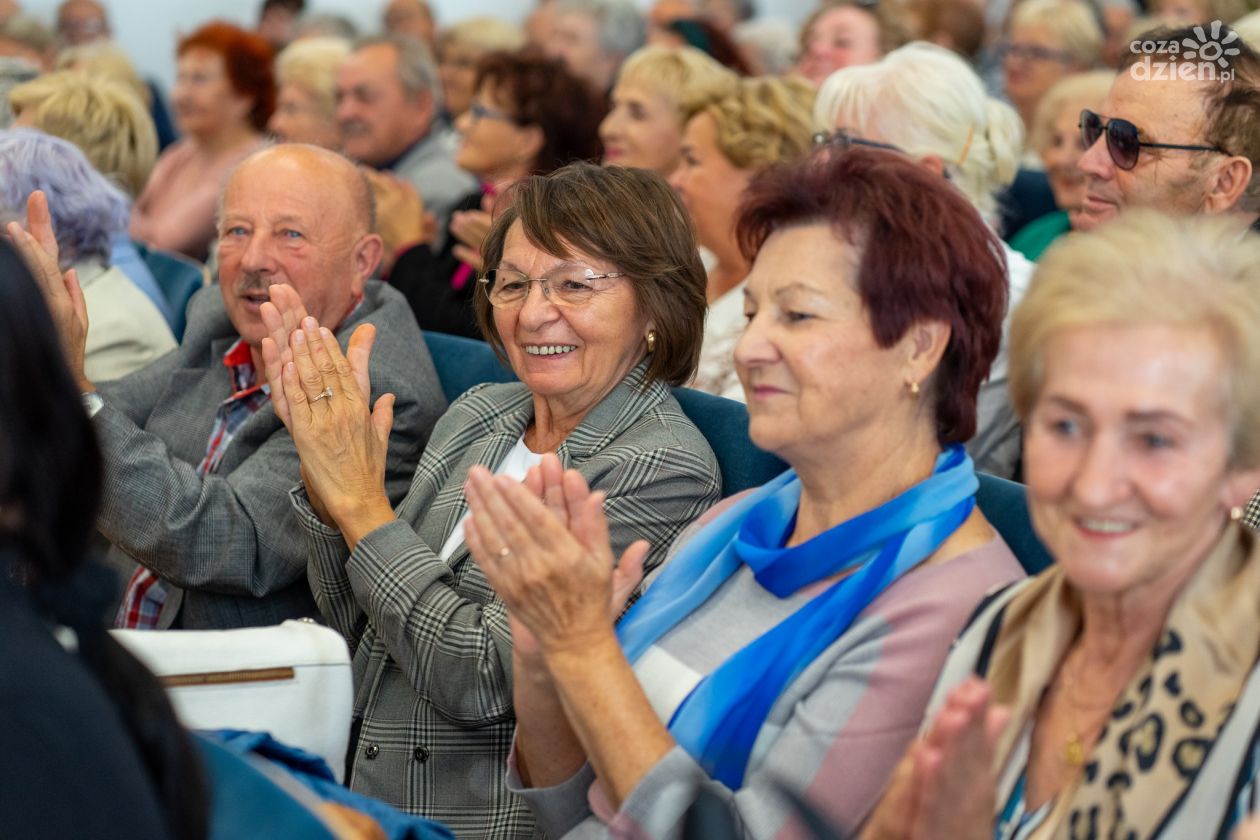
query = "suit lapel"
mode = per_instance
[
  {"x": 608, "y": 420},
  {"x": 489, "y": 449}
]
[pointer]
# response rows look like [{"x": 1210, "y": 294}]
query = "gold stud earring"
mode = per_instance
[
  {"x": 651, "y": 341},
  {"x": 914, "y": 388}
]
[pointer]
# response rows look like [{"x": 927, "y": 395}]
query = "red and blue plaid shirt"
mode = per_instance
[{"x": 145, "y": 594}]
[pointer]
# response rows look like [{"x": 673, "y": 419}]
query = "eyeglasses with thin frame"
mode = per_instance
[
  {"x": 508, "y": 288},
  {"x": 480, "y": 112},
  {"x": 1123, "y": 140},
  {"x": 842, "y": 140},
  {"x": 1032, "y": 52}
]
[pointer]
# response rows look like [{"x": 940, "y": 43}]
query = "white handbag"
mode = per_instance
[{"x": 292, "y": 680}]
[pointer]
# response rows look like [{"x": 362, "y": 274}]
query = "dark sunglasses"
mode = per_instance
[{"x": 1122, "y": 140}]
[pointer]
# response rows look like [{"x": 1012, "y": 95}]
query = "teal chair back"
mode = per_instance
[
  {"x": 1005, "y": 504},
  {"x": 462, "y": 363},
  {"x": 178, "y": 277}
]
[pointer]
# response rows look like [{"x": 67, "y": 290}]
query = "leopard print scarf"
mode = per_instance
[{"x": 1166, "y": 719}]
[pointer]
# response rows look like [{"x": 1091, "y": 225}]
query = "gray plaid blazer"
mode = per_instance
[
  {"x": 227, "y": 544},
  {"x": 432, "y": 648}
]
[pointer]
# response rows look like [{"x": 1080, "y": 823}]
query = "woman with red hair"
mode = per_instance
[{"x": 223, "y": 96}]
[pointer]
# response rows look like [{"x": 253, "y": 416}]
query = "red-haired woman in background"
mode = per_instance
[
  {"x": 224, "y": 94},
  {"x": 795, "y": 633}
]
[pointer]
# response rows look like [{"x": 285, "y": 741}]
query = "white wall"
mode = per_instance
[{"x": 148, "y": 29}]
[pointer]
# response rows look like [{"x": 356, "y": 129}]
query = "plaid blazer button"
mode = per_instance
[
  {"x": 371, "y": 751},
  {"x": 421, "y": 754}
]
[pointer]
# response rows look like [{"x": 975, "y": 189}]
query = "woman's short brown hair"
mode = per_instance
[{"x": 630, "y": 218}]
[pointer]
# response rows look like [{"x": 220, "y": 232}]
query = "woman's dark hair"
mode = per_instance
[
  {"x": 630, "y": 218},
  {"x": 711, "y": 41},
  {"x": 247, "y": 60},
  {"x": 925, "y": 255},
  {"x": 540, "y": 91},
  {"x": 50, "y": 486}
]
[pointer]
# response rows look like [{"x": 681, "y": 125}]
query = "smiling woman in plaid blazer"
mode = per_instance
[{"x": 596, "y": 299}]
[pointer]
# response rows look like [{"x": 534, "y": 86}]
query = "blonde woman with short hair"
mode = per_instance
[
  {"x": 103, "y": 117},
  {"x": 1048, "y": 40},
  {"x": 765, "y": 121},
  {"x": 306, "y": 88},
  {"x": 1056, "y": 137},
  {"x": 460, "y": 47},
  {"x": 658, "y": 89}
]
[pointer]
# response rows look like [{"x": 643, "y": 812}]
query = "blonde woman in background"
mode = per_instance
[
  {"x": 111, "y": 126},
  {"x": 105, "y": 118},
  {"x": 106, "y": 58},
  {"x": 764, "y": 121},
  {"x": 1056, "y": 136},
  {"x": 926, "y": 102},
  {"x": 306, "y": 87},
  {"x": 657, "y": 91},
  {"x": 1049, "y": 39},
  {"x": 460, "y": 47}
]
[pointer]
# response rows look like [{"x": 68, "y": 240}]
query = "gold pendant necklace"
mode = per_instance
[
  {"x": 1074, "y": 754},
  {"x": 1074, "y": 751}
]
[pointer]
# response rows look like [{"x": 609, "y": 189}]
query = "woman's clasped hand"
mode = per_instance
[
  {"x": 543, "y": 545},
  {"x": 322, "y": 396}
]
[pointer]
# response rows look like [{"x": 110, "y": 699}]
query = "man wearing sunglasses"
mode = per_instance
[{"x": 1180, "y": 145}]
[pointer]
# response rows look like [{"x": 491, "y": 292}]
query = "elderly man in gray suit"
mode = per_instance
[
  {"x": 388, "y": 101},
  {"x": 198, "y": 466}
]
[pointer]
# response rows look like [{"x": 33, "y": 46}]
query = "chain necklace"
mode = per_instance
[{"x": 1074, "y": 748}]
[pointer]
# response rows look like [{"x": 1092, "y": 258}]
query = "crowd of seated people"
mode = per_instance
[{"x": 951, "y": 290}]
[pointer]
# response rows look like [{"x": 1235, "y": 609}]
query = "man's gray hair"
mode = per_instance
[
  {"x": 621, "y": 27},
  {"x": 417, "y": 72}
]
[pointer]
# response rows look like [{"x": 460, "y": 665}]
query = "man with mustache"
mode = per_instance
[
  {"x": 198, "y": 466},
  {"x": 388, "y": 99}
]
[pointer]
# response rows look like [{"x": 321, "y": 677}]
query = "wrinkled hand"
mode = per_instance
[
  {"x": 557, "y": 578},
  {"x": 401, "y": 219},
  {"x": 62, "y": 293},
  {"x": 945, "y": 786},
  {"x": 343, "y": 445},
  {"x": 471, "y": 227}
]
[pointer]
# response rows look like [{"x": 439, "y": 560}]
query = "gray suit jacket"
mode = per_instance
[
  {"x": 230, "y": 539},
  {"x": 432, "y": 647}
]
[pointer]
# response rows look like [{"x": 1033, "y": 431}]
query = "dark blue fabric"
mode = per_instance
[
  {"x": 178, "y": 277},
  {"x": 1004, "y": 504},
  {"x": 313, "y": 772},
  {"x": 1027, "y": 198}
]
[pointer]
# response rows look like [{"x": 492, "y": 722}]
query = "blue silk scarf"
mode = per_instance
[{"x": 719, "y": 720}]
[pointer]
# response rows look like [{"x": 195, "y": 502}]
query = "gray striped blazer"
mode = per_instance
[{"x": 432, "y": 648}]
